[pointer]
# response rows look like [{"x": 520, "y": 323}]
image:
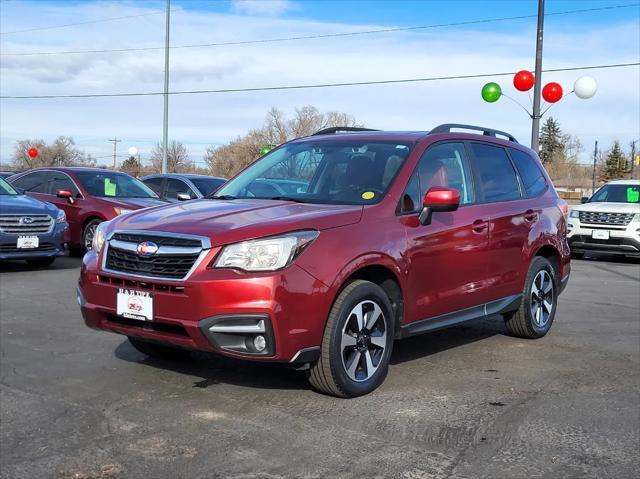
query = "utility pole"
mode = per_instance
[
  {"x": 595, "y": 160},
  {"x": 535, "y": 124},
  {"x": 165, "y": 123},
  {"x": 633, "y": 157},
  {"x": 115, "y": 142}
]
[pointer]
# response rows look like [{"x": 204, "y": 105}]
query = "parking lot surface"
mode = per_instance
[{"x": 465, "y": 402}]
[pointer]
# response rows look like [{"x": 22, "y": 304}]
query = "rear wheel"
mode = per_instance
[
  {"x": 89, "y": 232},
  {"x": 159, "y": 351},
  {"x": 539, "y": 302},
  {"x": 41, "y": 261},
  {"x": 357, "y": 342}
]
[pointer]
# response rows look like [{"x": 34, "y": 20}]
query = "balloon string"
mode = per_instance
[
  {"x": 549, "y": 107},
  {"x": 519, "y": 104}
]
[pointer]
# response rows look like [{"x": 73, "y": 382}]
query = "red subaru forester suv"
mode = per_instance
[{"x": 386, "y": 235}]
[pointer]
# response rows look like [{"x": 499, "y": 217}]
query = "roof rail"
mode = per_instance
[
  {"x": 335, "y": 129},
  {"x": 447, "y": 127}
]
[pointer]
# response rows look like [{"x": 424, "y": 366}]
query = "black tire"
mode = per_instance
[
  {"x": 159, "y": 351},
  {"x": 577, "y": 255},
  {"x": 329, "y": 375},
  {"x": 41, "y": 261},
  {"x": 88, "y": 232},
  {"x": 522, "y": 323}
]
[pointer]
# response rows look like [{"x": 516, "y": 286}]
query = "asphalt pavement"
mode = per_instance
[{"x": 467, "y": 402}]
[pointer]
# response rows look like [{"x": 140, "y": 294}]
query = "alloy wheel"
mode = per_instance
[
  {"x": 363, "y": 341},
  {"x": 542, "y": 298}
]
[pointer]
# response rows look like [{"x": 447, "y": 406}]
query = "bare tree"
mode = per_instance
[
  {"x": 177, "y": 158},
  {"x": 226, "y": 160},
  {"x": 62, "y": 152}
]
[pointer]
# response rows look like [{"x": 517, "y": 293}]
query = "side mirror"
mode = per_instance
[
  {"x": 66, "y": 194},
  {"x": 438, "y": 199},
  {"x": 184, "y": 196},
  {"x": 584, "y": 199}
]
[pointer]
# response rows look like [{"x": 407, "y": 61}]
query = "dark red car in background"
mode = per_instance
[
  {"x": 88, "y": 196},
  {"x": 391, "y": 234}
]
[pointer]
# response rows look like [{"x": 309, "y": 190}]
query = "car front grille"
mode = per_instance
[
  {"x": 173, "y": 260},
  {"x": 597, "y": 218},
  {"x": 25, "y": 224}
]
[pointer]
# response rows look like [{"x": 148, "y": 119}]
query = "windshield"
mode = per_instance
[
  {"x": 617, "y": 194},
  {"x": 6, "y": 189},
  {"x": 344, "y": 171},
  {"x": 113, "y": 185},
  {"x": 206, "y": 186}
]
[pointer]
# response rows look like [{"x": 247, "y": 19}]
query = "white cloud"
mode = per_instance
[
  {"x": 199, "y": 120},
  {"x": 270, "y": 8}
]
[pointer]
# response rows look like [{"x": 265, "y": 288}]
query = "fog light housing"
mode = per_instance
[{"x": 260, "y": 343}]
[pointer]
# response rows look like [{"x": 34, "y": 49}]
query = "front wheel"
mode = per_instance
[
  {"x": 539, "y": 302},
  {"x": 357, "y": 342},
  {"x": 89, "y": 232}
]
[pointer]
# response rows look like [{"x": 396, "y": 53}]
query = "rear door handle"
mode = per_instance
[
  {"x": 479, "y": 226},
  {"x": 530, "y": 216}
]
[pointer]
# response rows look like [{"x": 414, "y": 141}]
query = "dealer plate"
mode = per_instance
[
  {"x": 28, "y": 242},
  {"x": 600, "y": 234},
  {"x": 134, "y": 304}
]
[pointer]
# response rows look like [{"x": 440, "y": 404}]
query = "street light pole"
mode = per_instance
[
  {"x": 165, "y": 123},
  {"x": 535, "y": 124},
  {"x": 595, "y": 160}
]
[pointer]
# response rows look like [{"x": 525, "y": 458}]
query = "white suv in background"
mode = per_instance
[{"x": 609, "y": 221}]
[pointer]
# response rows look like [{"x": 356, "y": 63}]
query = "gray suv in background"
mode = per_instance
[{"x": 181, "y": 187}]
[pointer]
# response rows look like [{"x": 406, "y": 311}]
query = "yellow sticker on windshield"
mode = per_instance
[
  {"x": 109, "y": 188},
  {"x": 367, "y": 195}
]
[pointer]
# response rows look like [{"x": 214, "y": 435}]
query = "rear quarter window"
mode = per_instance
[{"x": 530, "y": 174}]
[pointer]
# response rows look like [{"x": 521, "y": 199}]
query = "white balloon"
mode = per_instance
[
  {"x": 133, "y": 151},
  {"x": 585, "y": 87}
]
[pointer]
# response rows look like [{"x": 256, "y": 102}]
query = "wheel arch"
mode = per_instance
[{"x": 552, "y": 254}]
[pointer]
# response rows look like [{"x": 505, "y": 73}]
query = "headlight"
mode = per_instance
[
  {"x": 574, "y": 214},
  {"x": 122, "y": 211},
  {"x": 266, "y": 254},
  {"x": 99, "y": 236},
  {"x": 61, "y": 218},
  {"x": 637, "y": 217}
]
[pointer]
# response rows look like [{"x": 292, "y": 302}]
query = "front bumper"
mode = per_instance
[
  {"x": 622, "y": 239},
  {"x": 215, "y": 310},
  {"x": 51, "y": 244}
]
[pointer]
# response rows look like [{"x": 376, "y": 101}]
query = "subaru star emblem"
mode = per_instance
[
  {"x": 603, "y": 218},
  {"x": 147, "y": 248},
  {"x": 26, "y": 220}
]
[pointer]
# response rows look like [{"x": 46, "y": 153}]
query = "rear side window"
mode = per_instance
[
  {"x": 530, "y": 174},
  {"x": 35, "y": 182},
  {"x": 498, "y": 179}
]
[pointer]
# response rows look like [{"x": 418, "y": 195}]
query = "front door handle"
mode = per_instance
[
  {"x": 479, "y": 226},
  {"x": 530, "y": 216}
]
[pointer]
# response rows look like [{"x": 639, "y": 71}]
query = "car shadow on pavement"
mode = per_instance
[
  {"x": 61, "y": 263},
  {"x": 212, "y": 369}
]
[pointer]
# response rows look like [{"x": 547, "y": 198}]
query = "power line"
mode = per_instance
[
  {"x": 111, "y": 19},
  {"x": 310, "y": 86},
  {"x": 328, "y": 35}
]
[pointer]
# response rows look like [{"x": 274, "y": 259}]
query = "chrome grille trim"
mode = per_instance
[
  {"x": 603, "y": 218},
  {"x": 167, "y": 252},
  {"x": 13, "y": 224}
]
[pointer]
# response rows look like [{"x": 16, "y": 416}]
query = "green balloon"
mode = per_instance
[
  {"x": 491, "y": 92},
  {"x": 264, "y": 150}
]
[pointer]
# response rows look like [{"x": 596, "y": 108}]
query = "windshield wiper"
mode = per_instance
[
  {"x": 221, "y": 197},
  {"x": 287, "y": 198}
]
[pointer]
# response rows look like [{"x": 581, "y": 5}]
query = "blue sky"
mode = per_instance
[{"x": 607, "y": 36}]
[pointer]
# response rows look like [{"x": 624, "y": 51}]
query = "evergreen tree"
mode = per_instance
[
  {"x": 551, "y": 141},
  {"x": 131, "y": 166},
  {"x": 615, "y": 165}
]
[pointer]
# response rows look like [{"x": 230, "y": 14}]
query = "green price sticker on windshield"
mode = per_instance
[
  {"x": 633, "y": 195},
  {"x": 109, "y": 187}
]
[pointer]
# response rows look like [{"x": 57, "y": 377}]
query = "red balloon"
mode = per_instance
[
  {"x": 552, "y": 92},
  {"x": 33, "y": 152},
  {"x": 523, "y": 80}
]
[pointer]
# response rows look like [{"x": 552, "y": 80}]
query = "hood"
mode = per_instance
[
  {"x": 605, "y": 207},
  {"x": 18, "y": 204},
  {"x": 132, "y": 203},
  {"x": 227, "y": 222}
]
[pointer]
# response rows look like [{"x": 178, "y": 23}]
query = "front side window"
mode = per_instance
[
  {"x": 341, "y": 171},
  {"x": 6, "y": 189},
  {"x": 497, "y": 177},
  {"x": 60, "y": 181},
  {"x": 530, "y": 174},
  {"x": 113, "y": 185},
  {"x": 617, "y": 194},
  {"x": 35, "y": 182},
  {"x": 155, "y": 184},
  {"x": 445, "y": 164},
  {"x": 177, "y": 187}
]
